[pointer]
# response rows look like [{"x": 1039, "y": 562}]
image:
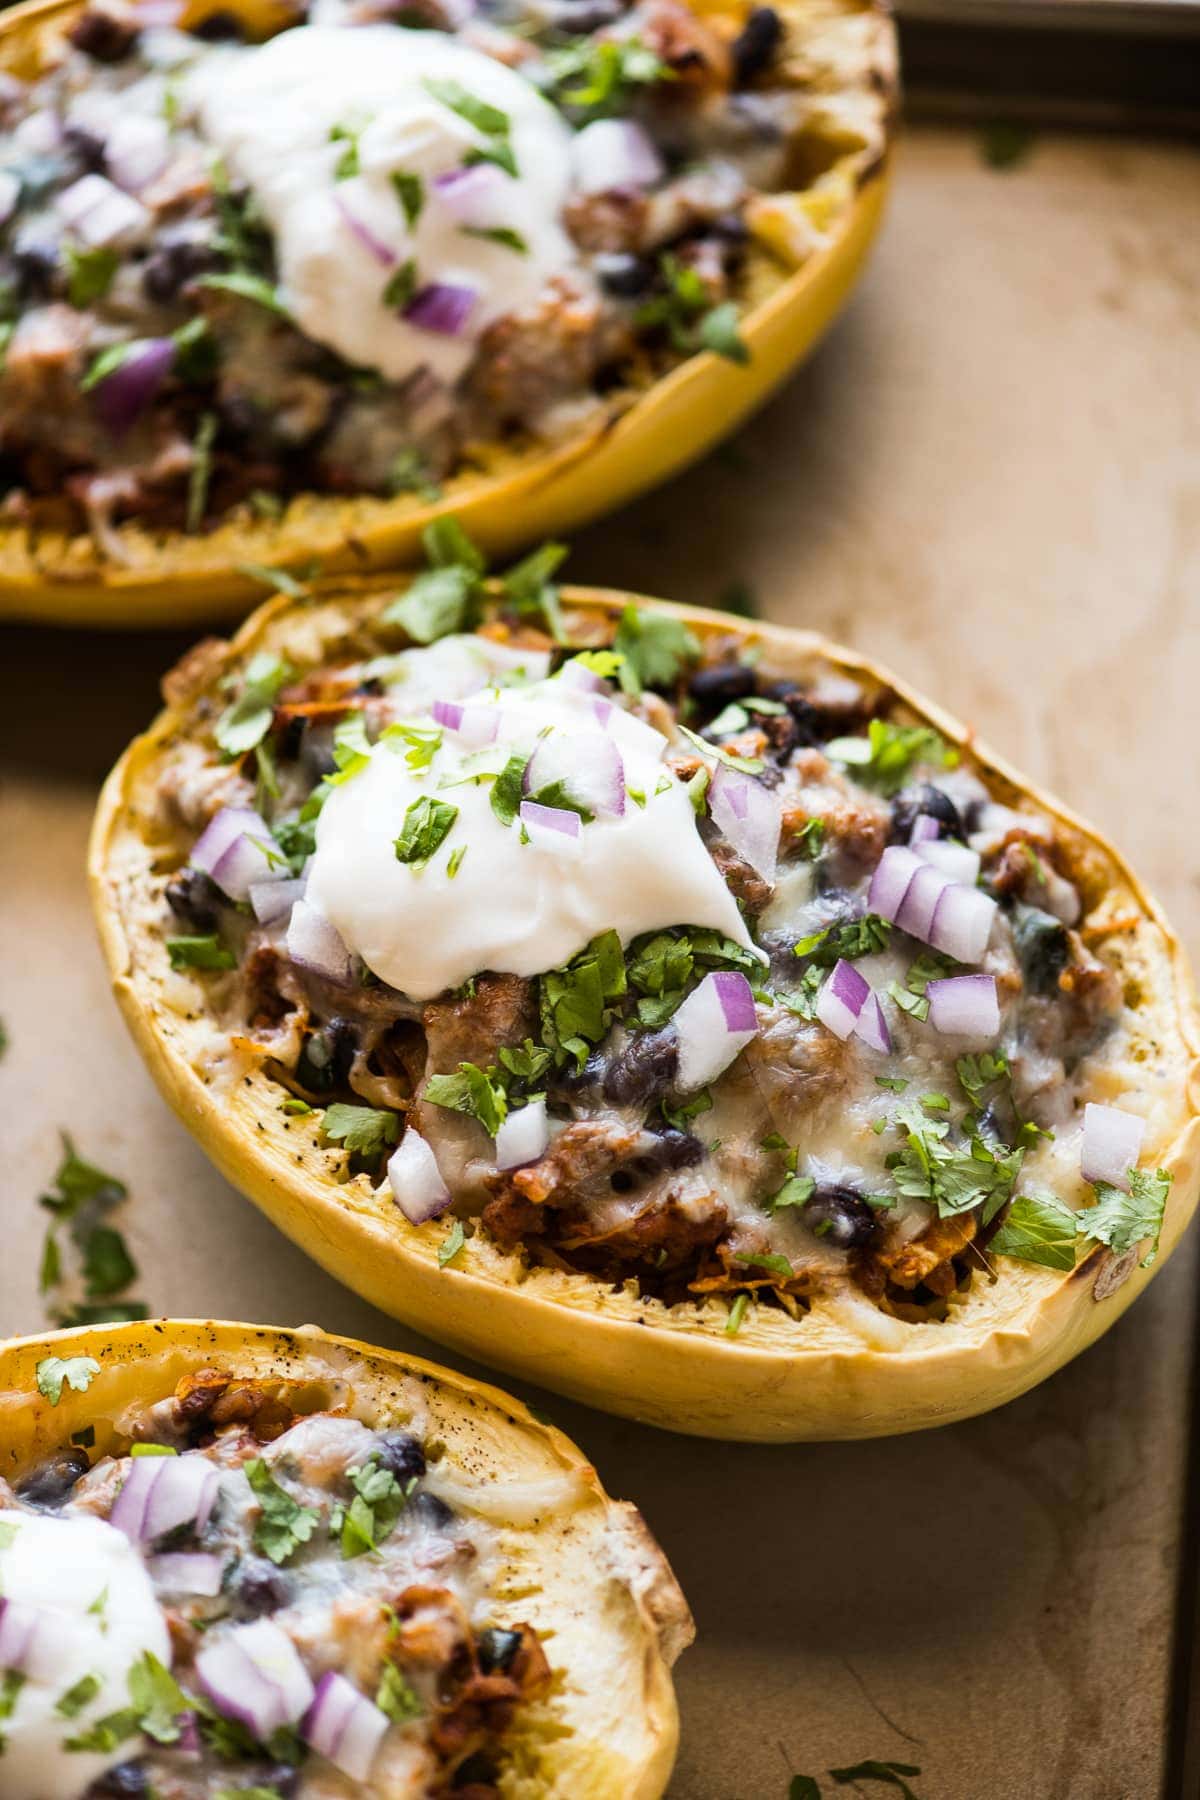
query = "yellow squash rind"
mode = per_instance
[
  {"x": 582, "y": 1568},
  {"x": 846, "y": 1369},
  {"x": 809, "y": 248}
]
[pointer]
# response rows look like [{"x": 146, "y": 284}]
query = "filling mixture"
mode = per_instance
[
  {"x": 249, "y": 1603},
  {"x": 337, "y": 260},
  {"x": 646, "y": 962}
]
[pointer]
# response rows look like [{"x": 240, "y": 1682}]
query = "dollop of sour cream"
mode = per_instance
[
  {"x": 511, "y": 905},
  {"x": 97, "y": 1617},
  {"x": 357, "y": 146}
]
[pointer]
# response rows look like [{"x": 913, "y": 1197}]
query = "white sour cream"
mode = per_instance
[
  {"x": 270, "y": 110},
  {"x": 511, "y": 907},
  {"x": 66, "y": 1565}
]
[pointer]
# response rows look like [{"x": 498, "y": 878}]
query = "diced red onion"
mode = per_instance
[
  {"x": 274, "y": 900},
  {"x": 576, "y": 674},
  {"x": 552, "y": 828},
  {"x": 602, "y": 712},
  {"x": 34, "y": 1639},
  {"x": 417, "y": 1185},
  {"x": 442, "y": 306},
  {"x": 253, "y": 1674},
  {"x": 187, "y": 1572},
  {"x": 344, "y": 1727},
  {"x": 251, "y": 860},
  {"x": 954, "y": 860},
  {"x": 749, "y": 816},
  {"x": 137, "y": 150},
  {"x": 925, "y": 829},
  {"x": 842, "y": 998},
  {"x": 122, "y": 397},
  {"x": 161, "y": 1493},
  {"x": 964, "y": 1006},
  {"x": 611, "y": 154},
  {"x": 10, "y": 193},
  {"x": 475, "y": 725},
  {"x": 313, "y": 942},
  {"x": 920, "y": 902},
  {"x": 589, "y": 766},
  {"x": 1112, "y": 1143},
  {"x": 962, "y": 923},
  {"x": 99, "y": 213},
  {"x": 375, "y": 246},
  {"x": 220, "y": 832},
  {"x": 39, "y": 133},
  {"x": 890, "y": 882},
  {"x": 715, "y": 1022},
  {"x": 473, "y": 195},
  {"x": 523, "y": 1137},
  {"x": 871, "y": 1027}
]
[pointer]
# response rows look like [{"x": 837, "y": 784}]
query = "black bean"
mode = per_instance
[
  {"x": 50, "y": 1484},
  {"x": 673, "y": 1149},
  {"x": 327, "y": 1056},
  {"x": 400, "y": 1453},
  {"x": 477, "y": 1771},
  {"x": 431, "y": 1511},
  {"x": 176, "y": 261},
  {"x": 497, "y": 1648},
  {"x": 571, "y": 1080},
  {"x": 86, "y": 147},
  {"x": 102, "y": 35},
  {"x": 258, "y": 1588},
  {"x": 644, "y": 1069},
  {"x": 196, "y": 900},
  {"x": 1042, "y": 946},
  {"x": 622, "y": 275},
  {"x": 220, "y": 28},
  {"x": 755, "y": 45},
  {"x": 720, "y": 683},
  {"x": 36, "y": 263},
  {"x": 911, "y": 802},
  {"x": 839, "y": 1216},
  {"x": 128, "y": 1781}
]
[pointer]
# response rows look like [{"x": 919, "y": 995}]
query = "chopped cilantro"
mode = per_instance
[
  {"x": 451, "y": 1244},
  {"x": 796, "y": 1191},
  {"x": 409, "y": 473},
  {"x": 401, "y": 286},
  {"x": 480, "y": 113},
  {"x": 280, "y": 581},
  {"x": 157, "y": 1699},
  {"x": 595, "y": 75},
  {"x": 247, "y": 287},
  {"x": 663, "y": 966},
  {"x": 1038, "y": 1228},
  {"x": 379, "y": 1499},
  {"x": 351, "y": 749},
  {"x": 90, "y": 273},
  {"x": 394, "y": 1696},
  {"x": 503, "y": 235},
  {"x": 410, "y": 191},
  {"x": 427, "y": 824},
  {"x": 745, "y": 765},
  {"x": 761, "y": 1259},
  {"x": 454, "y": 861},
  {"x": 844, "y": 940},
  {"x": 362, "y": 1130},
  {"x": 200, "y": 953},
  {"x": 107, "y": 1264},
  {"x": 76, "y": 1372},
  {"x": 810, "y": 839},
  {"x": 719, "y": 333},
  {"x": 1122, "y": 1220},
  {"x": 975, "y": 1073},
  {"x": 283, "y": 1524},
  {"x": 654, "y": 650},
  {"x": 508, "y": 789},
  {"x": 737, "y": 1313},
  {"x": 683, "y": 310},
  {"x": 526, "y": 1064},
  {"x": 439, "y": 601},
  {"x": 529, "y": 586},
  {"x": 106, "y": 1734},
  {"x": 888, "y": 752},
  {"x": 200, "y": 473},
  {"x": 472, "y": 1091},
  {"x": 347, "y": 163},
  {"x": 954, "y": 1178},
  {"x": 576, "y": 999}
]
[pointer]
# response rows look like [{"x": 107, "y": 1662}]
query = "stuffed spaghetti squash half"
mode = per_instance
[
  {"x": 677, "y": 1011},
  {"x": 240, "y": 1561},
  {"x": 279, "y": 282}
]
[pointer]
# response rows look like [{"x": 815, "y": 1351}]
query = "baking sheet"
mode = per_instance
[{"x": 990, "y": 479}]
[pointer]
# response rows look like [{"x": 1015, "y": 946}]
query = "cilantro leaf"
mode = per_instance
[
  {"x": 845, "y": 940},
  {"x": 576, "y": 999},
  {"x": 888, "y": 752},
  {"x": 604, "y": 70},
  {"x": 107, "y": 1733},
  {"x": 529, "y": 586},
  {"x": 472, "y": 1091},
  {"x": 379, "y": 1499},
  {"x": 719, "y": 333},
  {"x": 247, "y": 287},
  {"x": 745, "y": 765},
  {"x": 654, "y": 650},
  {"x": 427, "y": 824},
  {"x": 434, "y": 605},
  {"x": 451, "y": 1244},
  {"x": 283, "y": 1524},
  {"x": 247, "y": 720},
  {"x": 504, "y": 235},
  {"x": 107, "y": 1264},
  {"x": 362, "y": 1130},
  {"x": 508, "y": 789},
  {"x": 200, "y": 953},
  {"x": 761, "y": 1259},
  {"x": 90, "y": 273},
  {"x": 76, "y": 1372},
  {"x": 410, "y": 191},
  {"x": 394, "y": 1696},
  {"x": 1038, "y": 1228},
  {"x": 796, "y": 1191},
  {"x": 401, "y": 286},
  {"x": 1122, "y": 1220},
  {"x": 158, "y": 1699},
  {"x": 480, "y": 113}
]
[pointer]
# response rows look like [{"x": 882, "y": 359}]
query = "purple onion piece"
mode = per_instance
[
  {"x": 552, "y": 827},
  {"x": 274, "y": 900},
  {"x": 470, "y": 196},
  {"x": 714, "y": 1023},
  {"x": 416, "y": 1180},
  {"x": 250, "y": 861},
  {"x": 384, "y": 255},
  {"x": 871, "y": 1027},
  {"x": 442, "y": 306},
  {"x": 749, "y": 816},
  {"x": 122, "y": 397},
  {"x": 842, "y": 999},
  {"x": 925, "y": 829},
  {"x": 344, "y": 1727},
  {"x": 954, "y": 860},
  {"x": 962, "y": 923},
  {"x": 187, "y": 1572},
  {"x": 920, "y": 902},
  {"x": 313, "y": 942},
  {"x": 589, "y": 766},
  {"x": 576, "y": 674},
  {"x": 610, "y": 155},
  {"x": 221, "y": 830},
  {"x": 964, "y": 1006},
  {"x": 523, "y": 1137},
  {"x": 890, "y": 882},
  {"x": 1112, "y": 1143}
]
